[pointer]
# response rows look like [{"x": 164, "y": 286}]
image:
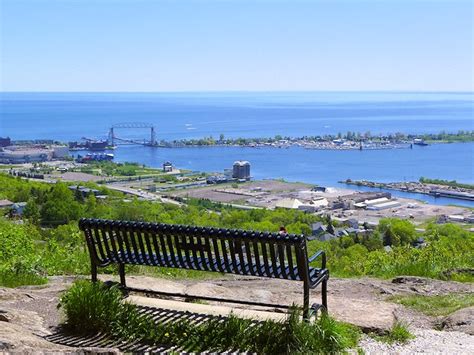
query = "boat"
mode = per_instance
[{"x": 419, "y": 141}]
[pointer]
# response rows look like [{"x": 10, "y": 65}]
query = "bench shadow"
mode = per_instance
[{"x": 107, "y": 343}]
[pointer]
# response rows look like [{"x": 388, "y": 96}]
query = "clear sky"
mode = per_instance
[{"x": 204, "y": 45}]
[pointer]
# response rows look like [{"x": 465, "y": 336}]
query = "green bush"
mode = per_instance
[
  {"x": 449, "y": 248},
  {"x": 92, "y": 307},
  {"x": 18, "y": 257},
  {"x": 399, "y": 333}
]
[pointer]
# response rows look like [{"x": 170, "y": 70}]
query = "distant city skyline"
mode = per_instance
[{"x": 205, "y": 45}]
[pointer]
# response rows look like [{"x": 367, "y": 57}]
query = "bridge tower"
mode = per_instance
[
  {"x": 153, "y": 136},
  {"x": 111, "y": 136}
]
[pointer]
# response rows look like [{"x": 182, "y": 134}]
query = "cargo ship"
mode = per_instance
[{"x": 95, "y": 157}]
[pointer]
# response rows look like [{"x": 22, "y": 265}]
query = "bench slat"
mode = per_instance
[
  {"x": 149, "y": 241},
  {"x": 281, "y": 260},
  {"x": 289, "y": 249},
  {"x": 275, "y": 266}
]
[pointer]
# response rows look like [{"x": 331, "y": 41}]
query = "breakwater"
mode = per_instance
[{"x": 418, "y": 187}]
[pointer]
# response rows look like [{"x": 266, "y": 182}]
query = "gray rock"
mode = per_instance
[
  {"x": 462, "y": 320},
  {"x": 4, "y": 316}
]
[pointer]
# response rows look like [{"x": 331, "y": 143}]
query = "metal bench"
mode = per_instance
[{"x": 240, "y": 252}]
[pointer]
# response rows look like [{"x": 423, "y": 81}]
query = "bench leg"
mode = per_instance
[
  {"x": 324, "y": 294},
  {"x": 93, "y": 272},
  {"x": 122, "y": 274},
  {"x": 306, "y": 302}
]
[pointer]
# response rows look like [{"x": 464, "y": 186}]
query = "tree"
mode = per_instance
[
  {"x": 78, "y": 194},
  {"x": 396, "y": 231},
  {"x": 32, "y": 211},
  {"x": 60, "y": 206}
]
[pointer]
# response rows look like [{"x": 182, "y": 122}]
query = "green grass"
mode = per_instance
[
  {"x": 13, "y": 279},
  {"x": 93, "y": 308},
  {"x": 436, "y": 305},
  {"x": 399, "y": 333}
]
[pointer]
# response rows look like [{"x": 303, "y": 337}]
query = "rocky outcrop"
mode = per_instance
[{"x": 462, "y": 320}]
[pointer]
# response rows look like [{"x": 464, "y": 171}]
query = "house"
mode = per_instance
[
  {"x": 349, "y": 222},
  {"x": 85, "y": 191},
  {"x": 6, "y": 204},
  {"x": 351, "y": 230},
  {"x": 442, "y": 219},
  {"x": 341, "y": 232},
  {"x": 18, "y": 208},
  {"x": 419, "y": 243},
  {"x": 326, "y": 236},
  {"x": 318, "y": 229}
]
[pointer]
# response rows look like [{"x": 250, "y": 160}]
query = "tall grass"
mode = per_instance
[{"x": 92, "y": 308}]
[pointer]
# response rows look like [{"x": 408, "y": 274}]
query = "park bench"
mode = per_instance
[{"x": 249, "y": 253}]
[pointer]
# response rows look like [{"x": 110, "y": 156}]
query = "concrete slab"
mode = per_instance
[{"x": 210, "y": 309}]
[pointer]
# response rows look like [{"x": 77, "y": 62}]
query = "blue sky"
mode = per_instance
[{"x": 199, "y": 45}]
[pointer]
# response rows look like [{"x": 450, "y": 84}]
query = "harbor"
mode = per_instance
[{"x": 435, "y": 190}]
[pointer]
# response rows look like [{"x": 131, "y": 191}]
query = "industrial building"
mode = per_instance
[
  {"x": 383, "y": 205},
  {"x": 31, "y": 154},
  {"x": 241, "y": 170}
]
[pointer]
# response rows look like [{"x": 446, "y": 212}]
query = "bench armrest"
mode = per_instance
[{"x": 316, "y": 255}]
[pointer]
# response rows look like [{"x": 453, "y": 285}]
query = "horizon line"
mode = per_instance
[{"x": 232, "y": 91}]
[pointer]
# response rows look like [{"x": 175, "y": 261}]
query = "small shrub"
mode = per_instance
[
  {"x": 91, "y": 307},
  {"x": 399, "y": 333}
]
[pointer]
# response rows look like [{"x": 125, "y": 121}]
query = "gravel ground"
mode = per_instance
[{"x": 427, "y": 341}]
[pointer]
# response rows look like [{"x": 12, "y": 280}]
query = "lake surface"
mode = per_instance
[{"x": 70, "y": 116}]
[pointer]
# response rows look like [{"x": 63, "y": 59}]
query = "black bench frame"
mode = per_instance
[{"x": 250, "y": 253}]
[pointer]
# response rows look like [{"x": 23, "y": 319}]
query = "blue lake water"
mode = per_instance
[{"x": 70, "y": 116}]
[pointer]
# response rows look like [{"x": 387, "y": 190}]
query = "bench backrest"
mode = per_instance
[{"x": 199, "y": 248}]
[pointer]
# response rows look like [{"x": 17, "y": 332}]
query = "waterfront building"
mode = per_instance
[
  {"x": 32, "y": 154},
  {"x": 5, "y": 142},
  {"x": 60, "y": 151},
  {"x": 167, "y": 167},
  {"x": 18, "y": 156},
  {"x": 241, "y": 170}
]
